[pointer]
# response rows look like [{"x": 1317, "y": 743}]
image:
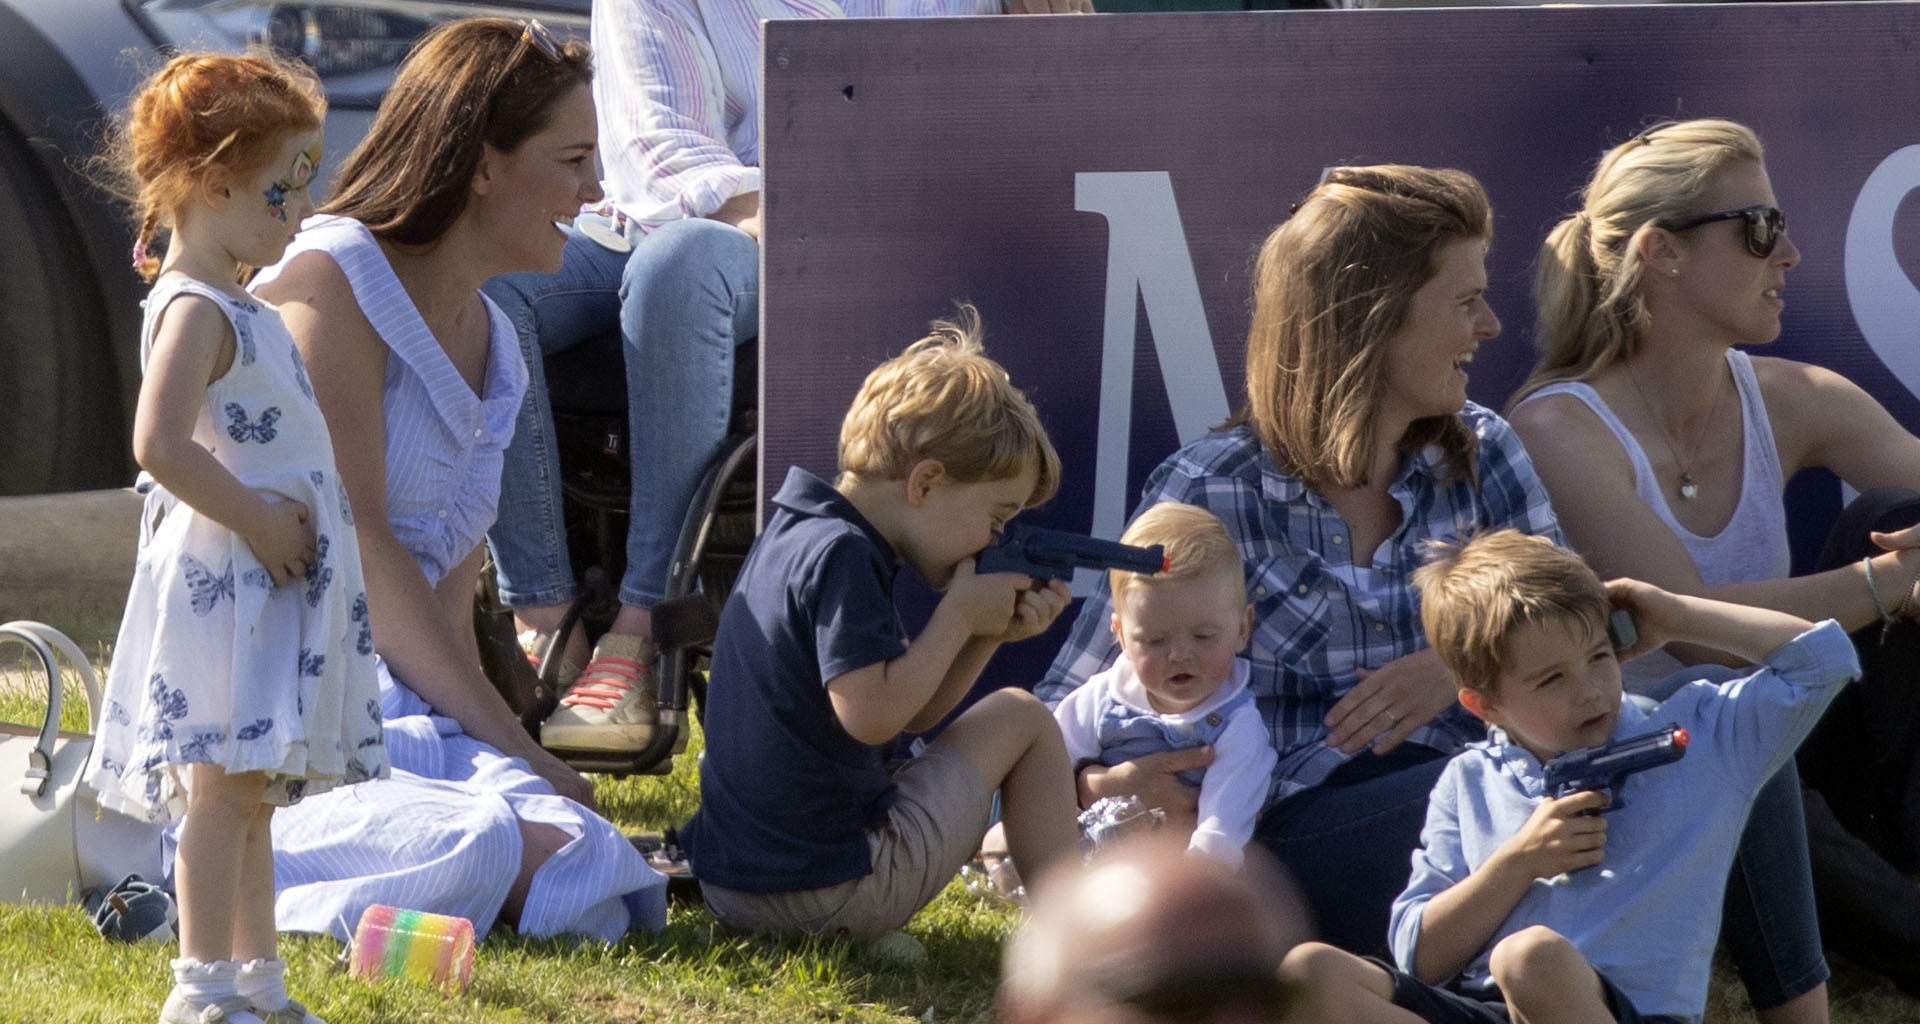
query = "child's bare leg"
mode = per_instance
[
  {"x": 1002, "y": 872},
  {"x": 1544, "y": 978},
  {"x": 994, "y": 843},
  {"x": 208, "y": 863},
  {"x": 1338, "y": 987},
  {"x": 538, "y": 844},
  {"x": 253, "y": 930},
  {"x": 261, "y": 976},
  {"x": 1011, "y": 737}
]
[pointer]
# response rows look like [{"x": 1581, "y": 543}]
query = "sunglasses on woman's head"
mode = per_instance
[
  {"x": 535, "y": 35},
  {"x": 534, "y": 38},
  {"x": 1764, "y": 225}
]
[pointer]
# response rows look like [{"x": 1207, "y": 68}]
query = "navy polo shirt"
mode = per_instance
[{"x": 786, "y": 795}]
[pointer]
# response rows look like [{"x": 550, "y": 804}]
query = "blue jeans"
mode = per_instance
[
  {"x": 1348, "y": 841},
  {"x": 683, "y": 300},
  {"x": 1768, "y": 922}
]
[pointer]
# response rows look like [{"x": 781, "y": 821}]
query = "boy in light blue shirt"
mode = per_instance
[{"x": 1524, "y": 906}]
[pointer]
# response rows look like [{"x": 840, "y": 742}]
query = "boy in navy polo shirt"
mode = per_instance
[
  {"x": 1524, "y": 906},
  {"x": 801, "y": 829}
]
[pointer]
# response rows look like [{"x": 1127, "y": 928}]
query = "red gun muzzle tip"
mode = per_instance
[
  {"x": 1680, "y": 738},
  {"x": 1166, "y": 564}
]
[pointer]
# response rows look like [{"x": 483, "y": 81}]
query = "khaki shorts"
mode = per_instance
[{"x": 938, "y": 816}]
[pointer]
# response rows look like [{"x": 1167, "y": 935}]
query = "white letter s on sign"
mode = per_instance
[{"x": 1885, "y": 303}]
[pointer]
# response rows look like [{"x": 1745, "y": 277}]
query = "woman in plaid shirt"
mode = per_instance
[{"x": 1357, "y": 444}]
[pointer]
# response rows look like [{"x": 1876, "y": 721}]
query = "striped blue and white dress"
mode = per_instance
[{"x": 442, "y": 834}]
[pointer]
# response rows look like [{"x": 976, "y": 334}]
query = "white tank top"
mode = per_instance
[{"x": 1753, "y": 544}]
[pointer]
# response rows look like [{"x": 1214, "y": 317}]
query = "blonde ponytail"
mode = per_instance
[{"x": 1586, "y": 286}]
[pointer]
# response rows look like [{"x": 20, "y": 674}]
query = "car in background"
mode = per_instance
[{"x": 69, "y": 299}]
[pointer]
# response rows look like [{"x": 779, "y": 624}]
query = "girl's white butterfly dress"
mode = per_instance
[{"x": 214, "y": 664}]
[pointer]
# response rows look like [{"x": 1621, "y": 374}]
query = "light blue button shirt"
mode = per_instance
[{"x": 1649, "y": 914}]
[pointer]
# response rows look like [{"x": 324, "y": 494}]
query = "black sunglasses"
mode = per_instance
[{"x": 1764, "y": 226}]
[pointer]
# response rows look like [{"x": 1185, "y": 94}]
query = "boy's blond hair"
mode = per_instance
[
  {"x": 1197, "y": 545},
  {"x": 943, "y": 399},
  {"x": 1474, "y": 596}
]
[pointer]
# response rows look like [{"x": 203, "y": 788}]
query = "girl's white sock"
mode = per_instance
[
  {"x": 264, "y": 983},
  {"x": 198, "y": 985},
  {"x": 204, "y": 983}
]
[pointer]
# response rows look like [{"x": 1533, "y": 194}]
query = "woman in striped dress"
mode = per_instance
[{"x": 485, "y": 139}]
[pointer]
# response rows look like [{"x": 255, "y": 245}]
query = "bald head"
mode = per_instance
[{"x": 1146, "y": 925}]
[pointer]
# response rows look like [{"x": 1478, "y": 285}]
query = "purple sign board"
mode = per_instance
[{"x": 1098, "y": 186}]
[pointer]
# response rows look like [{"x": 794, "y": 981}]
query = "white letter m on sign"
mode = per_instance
[{"x": 1147, "y": 265}]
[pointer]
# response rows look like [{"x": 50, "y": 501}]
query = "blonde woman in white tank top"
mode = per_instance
[
  {"x": 1657, "y": 357},
  {"x": 1664, "y": 449}
]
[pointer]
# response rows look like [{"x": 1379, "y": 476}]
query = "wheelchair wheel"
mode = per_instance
[
  {"x": 714, "y": 541},
  {"x": 717, "y": 529},
  {"x": 714, "y": 538}
]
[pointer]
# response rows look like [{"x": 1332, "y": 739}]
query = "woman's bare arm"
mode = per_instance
[
  {"x": 1591, "y": 482},
  {"x": 412, "y": 629}
]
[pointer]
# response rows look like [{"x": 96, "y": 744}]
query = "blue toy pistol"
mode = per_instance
[
  {"x": 1607, "y": 766},
  {"x": 1054, "y": 554}
]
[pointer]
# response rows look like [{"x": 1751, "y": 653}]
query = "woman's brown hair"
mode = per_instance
[
  {"x": 1331, "y": 286},
  {"x": 468, "y": 84}
]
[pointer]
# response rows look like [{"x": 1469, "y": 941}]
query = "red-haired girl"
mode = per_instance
[{"x": 243, "y": 676}]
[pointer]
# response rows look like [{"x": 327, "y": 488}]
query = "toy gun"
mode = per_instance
[
  {"x": 1607, "y": 766},
  {"x": 1054, "y": 554}
]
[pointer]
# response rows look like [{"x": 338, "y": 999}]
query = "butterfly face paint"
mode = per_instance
[{"x": 300, "y": 175}]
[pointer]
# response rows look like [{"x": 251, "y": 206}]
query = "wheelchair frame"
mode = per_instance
[
  {"x": 716, "y": 532},
  {"x": 714, "y": 538}
]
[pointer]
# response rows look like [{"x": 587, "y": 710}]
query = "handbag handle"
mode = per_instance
[{"x": 43, "y": 640}]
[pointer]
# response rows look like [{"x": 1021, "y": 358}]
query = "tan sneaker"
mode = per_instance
[{"x": 611, "y": 707}]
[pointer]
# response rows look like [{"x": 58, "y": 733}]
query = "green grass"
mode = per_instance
[
  {"x": 23, "y": 691},
  {"x": 58, "y": 970},
  {"x": 55, "y": 970}
]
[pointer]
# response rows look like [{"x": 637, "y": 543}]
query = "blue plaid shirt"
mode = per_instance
[{"x": 1317, "y": 615}]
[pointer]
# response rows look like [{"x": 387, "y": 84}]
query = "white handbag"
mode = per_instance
[{"x": 55, "y": 839}]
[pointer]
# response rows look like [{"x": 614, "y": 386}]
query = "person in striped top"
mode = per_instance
[{"x": 670, "y": 259}]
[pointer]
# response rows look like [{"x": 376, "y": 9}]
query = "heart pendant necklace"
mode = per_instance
[{"x": 1689, "y": 489}]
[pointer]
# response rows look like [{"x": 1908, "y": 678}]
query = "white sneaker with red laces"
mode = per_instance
[{"x": 611, "y": 706}]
